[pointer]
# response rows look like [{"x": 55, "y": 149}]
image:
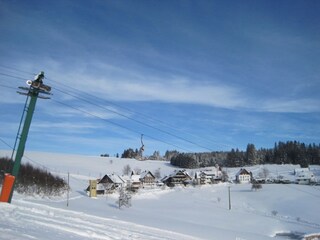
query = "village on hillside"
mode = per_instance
[{"x": 134, "y": 181}]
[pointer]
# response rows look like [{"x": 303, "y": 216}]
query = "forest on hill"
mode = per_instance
[{"x": 290, "y": 152}]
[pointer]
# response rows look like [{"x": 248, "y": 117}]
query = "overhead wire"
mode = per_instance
[
  {"x": 120, "y": 106},
  {"x": 15, "y": 69},
  {"x": 115, "y": 112},
  {"x": 132, "y": 119},
  {"x": 5, "y": 86},
  {"x": 35, "y": 162},
  {"x": 145, "y": 116},
  {"x": 12, "y": 76},
  {"x": 117, "y": 124}
]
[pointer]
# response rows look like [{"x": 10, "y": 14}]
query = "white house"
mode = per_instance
[
  {"x": 305, "y": 177},
  {"x": 243, "y": 176},
  {"x": 208, "y": 176}
]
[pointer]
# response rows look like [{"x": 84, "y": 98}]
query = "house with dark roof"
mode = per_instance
[
  {"x": 147, "y": 178},
  {"x": 243, "y": 176},
  {"x": 180, "y": 177},
  {"x": 109, "y": 183}
]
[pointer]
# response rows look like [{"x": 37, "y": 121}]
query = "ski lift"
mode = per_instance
[
  {"x": 141, "y": 150},
  {"x": 36, "y": 87}
]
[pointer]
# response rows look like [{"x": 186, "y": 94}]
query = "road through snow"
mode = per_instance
[{"x": 41, "y": 221}]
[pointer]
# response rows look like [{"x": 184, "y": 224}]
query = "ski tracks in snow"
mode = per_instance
[{"x": 27, "y": 220}]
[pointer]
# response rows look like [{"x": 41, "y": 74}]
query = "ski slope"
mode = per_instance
[{"x": 27, "y": 220}]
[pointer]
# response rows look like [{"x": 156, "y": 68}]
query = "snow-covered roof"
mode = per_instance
[
  {"x": 243, "y": 171},
  {"x": 179, "y": 171},
  {"x": 210, "y": 173},
  {"x": 145, "y": 173},
  {"x": 114, "y": 178},
  {"x": 174, "y": 174},
  {"x": 297, "y": 171},
  {"x": 135, "y": 178}
]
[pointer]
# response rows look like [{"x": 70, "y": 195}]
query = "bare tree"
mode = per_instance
[{"x": 126, "y": 169}]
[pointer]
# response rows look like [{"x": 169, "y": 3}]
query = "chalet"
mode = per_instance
[
  {"x": 147, "y": 178},
  {"x": 243, "y": 176},
  {"x": 208, "y": 176},
  {"x": 109, "y": 183},
  {"x": 180, "y": 177}
]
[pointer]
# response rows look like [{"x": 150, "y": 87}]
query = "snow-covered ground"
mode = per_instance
[{"x": 178, "y": 213}]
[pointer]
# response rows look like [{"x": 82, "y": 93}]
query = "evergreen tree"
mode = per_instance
[{"x": 251, "y": 155}]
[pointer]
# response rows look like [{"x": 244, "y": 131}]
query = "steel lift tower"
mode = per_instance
[{"x": 35, "y": 90}]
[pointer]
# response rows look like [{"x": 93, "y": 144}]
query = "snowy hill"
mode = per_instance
[{"x": 178, "y": 213}]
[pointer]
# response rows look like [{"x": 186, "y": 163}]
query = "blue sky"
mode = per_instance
[{"x": 190, "y": 75}]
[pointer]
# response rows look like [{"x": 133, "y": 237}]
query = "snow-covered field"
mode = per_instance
[{"x": 179, "y": 213}]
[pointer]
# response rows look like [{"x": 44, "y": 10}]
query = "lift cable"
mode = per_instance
[
  {"x": 132, "y": 119},
  {"x": 9, "y": 75},
  {"x": 118, "y": 125},
  {"x": 109, "y": 102},
  {"x": 147, "y": 117},
  {"x": 16, "y": 69},
  {"x": 36, "y": 163},
  {"x": 115, "y": 112}
]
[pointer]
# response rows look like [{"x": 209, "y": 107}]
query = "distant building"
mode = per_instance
[
  {"x": 109, "y": 183},
  {"x": 208, "y": 176},
  {"x": 147, "y": 178},
  {"x": 305, "y": 177},
  {"x": 180, "y": 177},
  {"x": 243, "y": 176}
]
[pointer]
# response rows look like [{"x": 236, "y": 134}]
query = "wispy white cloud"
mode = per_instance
[
  {"x": 177, "y": 91},
  {"x": 291, "y": 106},
  {"x": 129, "y": 85},
  {"x": 117, "y": 84}
]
